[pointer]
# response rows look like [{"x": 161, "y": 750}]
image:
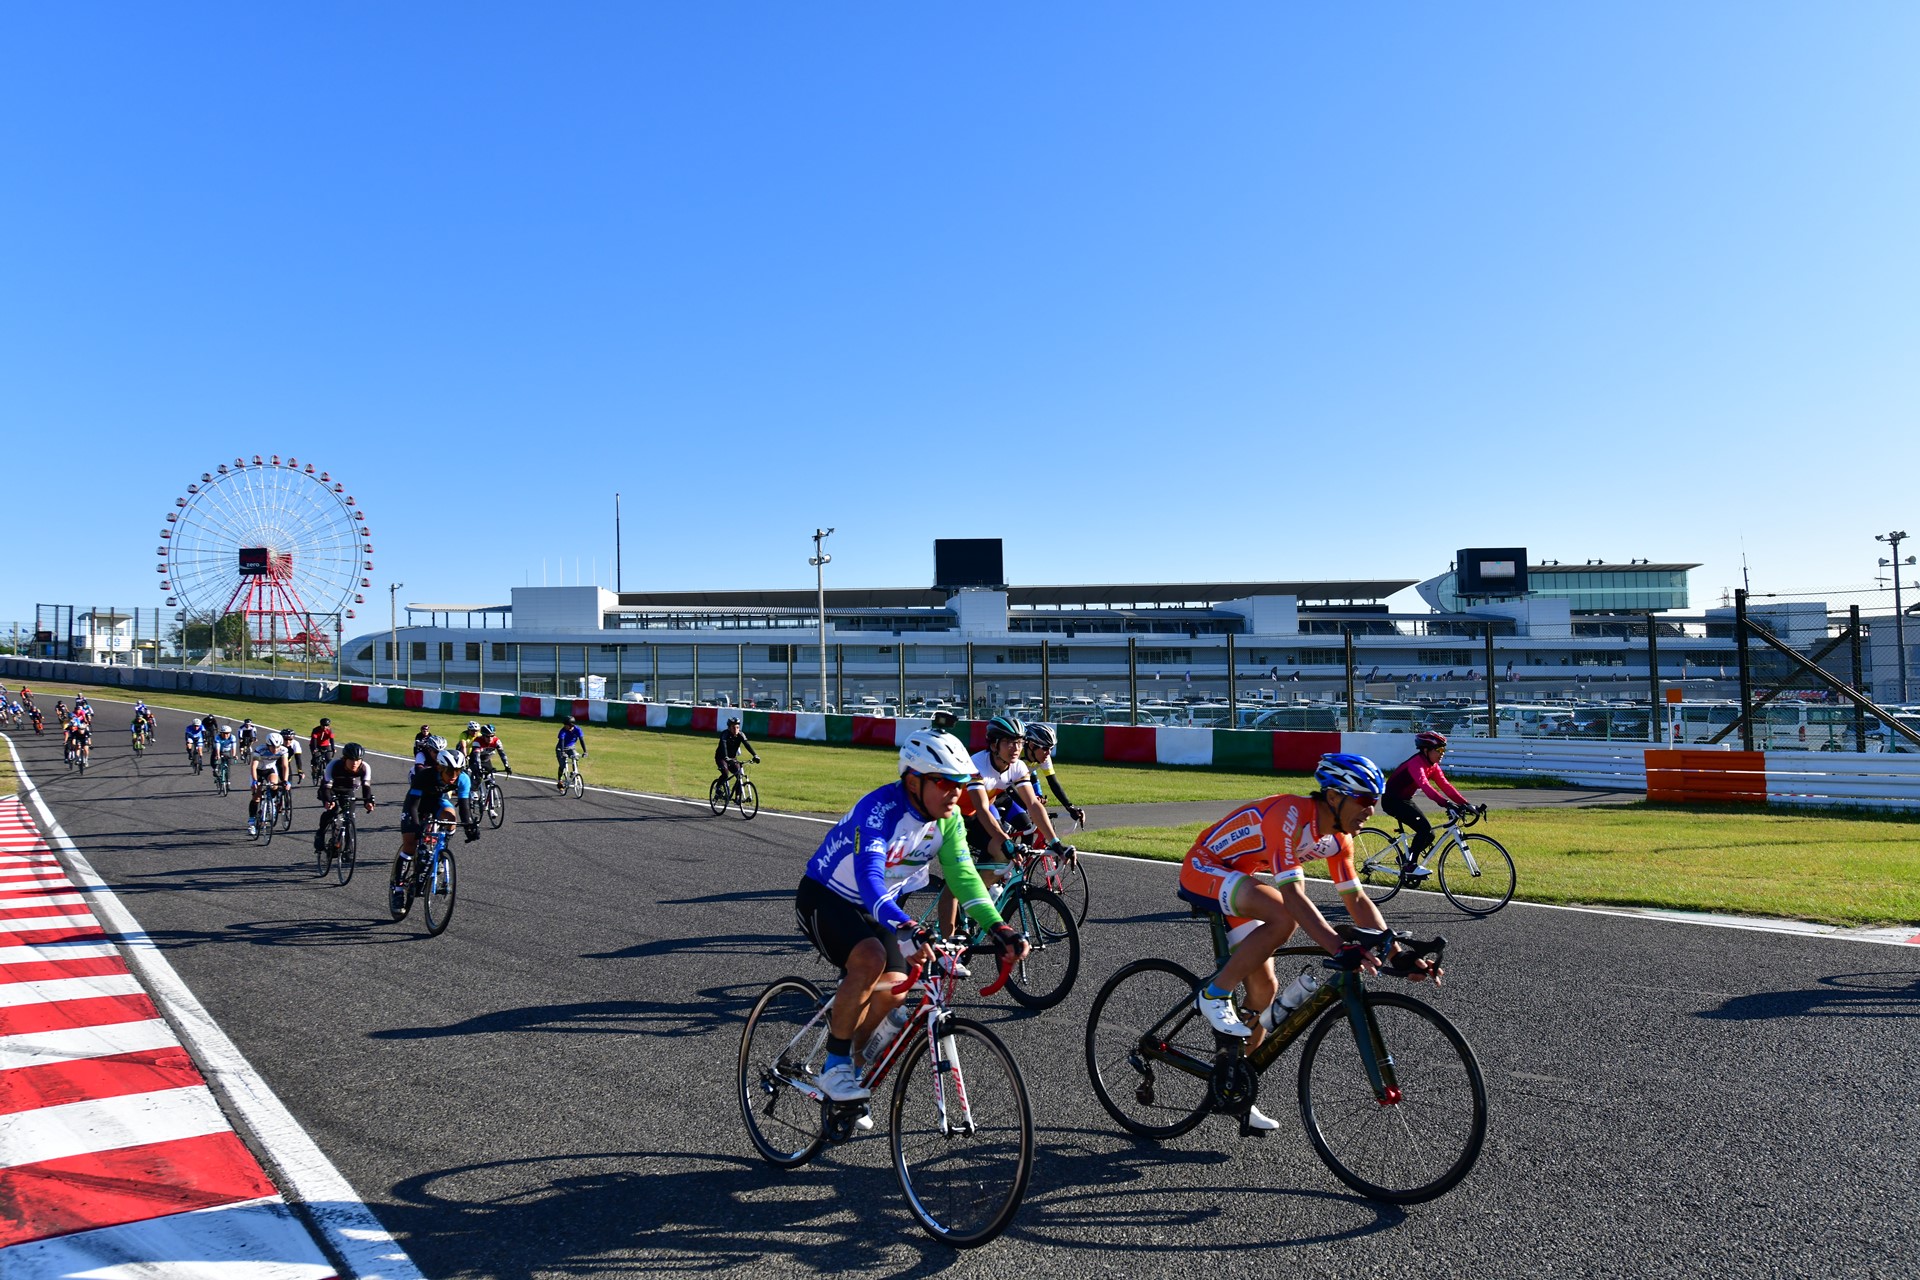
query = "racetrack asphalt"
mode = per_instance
[{"x": 548, "y": 1088}]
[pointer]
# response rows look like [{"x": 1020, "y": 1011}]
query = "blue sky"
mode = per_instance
[{"x": 1151, "y": 292}]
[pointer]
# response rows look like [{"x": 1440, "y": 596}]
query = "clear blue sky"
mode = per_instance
[{"x": 1151, "y": 292}]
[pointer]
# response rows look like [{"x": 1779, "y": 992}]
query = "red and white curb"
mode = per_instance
[{"x": 116, "y": 1158}]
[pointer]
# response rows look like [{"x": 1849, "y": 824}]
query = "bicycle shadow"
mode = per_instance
[
  {"x": 713, "y": 1009},
  {"x": 649, "y": 1212},
  {"x": 1082, "y": 1192},
  {"x": 1871, "y": 994},
  {"x": 283, "y": 933},
  {"x": 736, "y": 944}
]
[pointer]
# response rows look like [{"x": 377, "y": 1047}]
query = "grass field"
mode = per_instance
[{"x": 1835, "y": 868}]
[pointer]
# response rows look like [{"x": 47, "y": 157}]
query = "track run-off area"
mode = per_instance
[{"x": 548, "y": 1088}]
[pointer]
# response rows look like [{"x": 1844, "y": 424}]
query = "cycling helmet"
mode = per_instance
[
  {"x": 246, "y": 722},
  {"x": 1429, "y": 740},
  {"x": 265, "y": 750},
  {"x": 570, "y": 720},
  {"x": 274, "y": 739},
  {"x": 486, "y": 730},
  {"x": 930, "y": 751},
  {"x": 452, "y": 758},
  {"x": 1039, "y": 735},
  {"x": 473, "y": 726},
  {"x": 1005, "y": 727},
  {"x": 1351, "y": 775},
  {"x": 436, "y": 743},
  {"x": 226, "y": 728},
  {"x": 352, "y": 751},
  {"x": 325, "y": 723},
  {"x": 288, "y": 733}
]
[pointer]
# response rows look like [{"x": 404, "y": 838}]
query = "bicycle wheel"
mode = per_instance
[
  {"x": 718, "y": 796},
  {"x": 1044, "y": 978},
  {"x": 324, "y": 855},
  {"x": 783, "y": 1123},
  {"x": 1073, "y": 888},
  {"x": 437, "y": 895},
  {"x": 1376, "y": 863},
  {"x": 496, "y": 801},
  {"x": 286, "y": 812},
  {"x": 962, "y": 1134},
  {"x": 266, "y": 819},
  {"x": 1420, "y": 1142},
  {"x": 400, "y": 887},
  {"x": 749, "y": 800},
  {"x": 1483, "y": 876},
  {"x": 577, "y": 784},
  {"x": 1148, "y": 1005},
  {"x": 348, "y": 853}
]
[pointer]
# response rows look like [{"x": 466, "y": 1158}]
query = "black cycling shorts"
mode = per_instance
[{"x": 835, "y": 926}]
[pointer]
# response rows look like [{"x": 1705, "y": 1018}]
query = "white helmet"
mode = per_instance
[
  {"x": 940, "y": 754},
  {"x": 473, "y": 726},
  {"x": 274, "y": 739},
  {"x": 453, "y": 758}
]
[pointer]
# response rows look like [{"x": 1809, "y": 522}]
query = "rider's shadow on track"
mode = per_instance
[
  {"x": 724, "y": 944},
  {"x": 237, "y": 878},
  {"x": 1844, "y": 995},
  {"x": 715, "y": 1009},
  {"x": 283, "y": 933},
  {"x": 665, "y": 1211},
  {"x": 1084, "y": 1191}
]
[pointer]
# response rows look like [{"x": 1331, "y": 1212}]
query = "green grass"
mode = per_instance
[
  {"x": 9, "y": 780},
  {"x": 1836, "y": 869}
]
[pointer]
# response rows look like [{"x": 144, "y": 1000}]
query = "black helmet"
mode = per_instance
[
  {"x": 325, "y": 723},
  {"x": 352, "y": 751}
]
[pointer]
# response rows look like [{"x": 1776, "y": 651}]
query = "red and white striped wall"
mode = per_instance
[{"x": 115, "y": 1157}]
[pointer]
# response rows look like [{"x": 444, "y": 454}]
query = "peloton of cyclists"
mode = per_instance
[{"x": 79, "y": 740}]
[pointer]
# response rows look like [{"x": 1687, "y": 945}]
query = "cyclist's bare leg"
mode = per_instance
[
  {"x": 865, "y": 995},
  {"x": 1262, "y": 987},
  {"x": 1261, "y": 902}
]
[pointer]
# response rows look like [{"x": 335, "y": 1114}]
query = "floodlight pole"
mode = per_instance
[
  {"x": 1893, "y": 540},
  {"x": 819, "y": 562},
  {"x": 393, "y": 622}
]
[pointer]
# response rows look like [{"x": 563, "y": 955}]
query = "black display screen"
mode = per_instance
[{"x": 967, "y": 562}]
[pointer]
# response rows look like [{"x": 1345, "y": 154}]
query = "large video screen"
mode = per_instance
[
  {"x": 967, "y": 562},
  {"x": 253, "y": 561},
  {"x": 1491, "y": 571}
]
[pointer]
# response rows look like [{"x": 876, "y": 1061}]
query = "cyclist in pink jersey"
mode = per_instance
[{"x": 1421, "y": 772}]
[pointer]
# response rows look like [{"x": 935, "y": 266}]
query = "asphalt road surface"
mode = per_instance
[{"x": 546, "y": 1090}]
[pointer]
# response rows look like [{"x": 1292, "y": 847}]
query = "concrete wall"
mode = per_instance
[{"x": 40, "y": 671}]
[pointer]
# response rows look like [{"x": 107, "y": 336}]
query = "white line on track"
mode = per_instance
[{"x": 350, "y": 1228}]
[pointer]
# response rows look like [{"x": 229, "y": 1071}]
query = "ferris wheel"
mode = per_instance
[{"x": 278, "y": 543}]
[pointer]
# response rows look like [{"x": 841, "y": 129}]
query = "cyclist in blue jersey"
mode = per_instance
[
  {"x": 571, "y": 740},
  {"x": 196, "y": 739},
  {"x": 848, "y": 904}
]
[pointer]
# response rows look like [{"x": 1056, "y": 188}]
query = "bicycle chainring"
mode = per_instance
[{"x": 1234, "y": 1083}]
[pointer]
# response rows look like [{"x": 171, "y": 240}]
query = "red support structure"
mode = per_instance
[{"x": 276, "y": 618}]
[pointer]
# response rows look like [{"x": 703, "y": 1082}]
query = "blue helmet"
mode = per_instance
[{"x": 1351, "y": 775}]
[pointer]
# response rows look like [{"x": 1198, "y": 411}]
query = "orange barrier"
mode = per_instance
[{"x": 1715, "y": 777}]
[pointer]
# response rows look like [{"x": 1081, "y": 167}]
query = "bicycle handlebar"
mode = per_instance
[
  {"x": 956, "y": 949},
  {"x": 1383, "y": 943}
]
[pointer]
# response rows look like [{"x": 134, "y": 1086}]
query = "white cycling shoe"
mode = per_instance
[
  {"x": 1260, "y": 1123},
  {"x": 1220, "y": 1015},
  {"x": 842, "y": 1084}
]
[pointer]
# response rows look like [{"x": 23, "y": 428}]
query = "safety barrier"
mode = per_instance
[{"x": 47, "y": 671}]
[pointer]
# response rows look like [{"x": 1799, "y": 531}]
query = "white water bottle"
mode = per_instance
[
  {"x": 1290, "y": 999},
  {"x": 883, "y": 1034}
]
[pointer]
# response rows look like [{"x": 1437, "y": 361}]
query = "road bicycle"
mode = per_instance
[
  {"x": 1046, "y": 974},
  {"x": 139, "y": 740},
  {"x": 340, "y": 847},
  {"x": 490, "y": 796},
  {"x": 322, "y": 757},
  {"x": 1475, "y": 871},
  {"x": 959, "y": 1125},
  {"x": 76, "y": 758},
  {"x": 194, "y": 756},
  {"x": 1389, "y": 1090},
  {"x": 223, "y": 774},
  {"x": 570, "y": 780},
  {"x": 427, "y": 876},
  {"x": 734, "y": 788}
]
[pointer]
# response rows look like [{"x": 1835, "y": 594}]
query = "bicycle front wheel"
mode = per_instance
[
  {"x": 962, "y": 1134},
  {"x": 1044, "y": 978},
  {"x": 286, "y": 813},
  {"x": 400, "y": 887},
  {"x": 1072, "y": 888},
  {"x": 1149, "y": 1052},
  {"x": 1376, "y": 863},
  {"x": 496, "y": 805},
  {"x": 323, "y": 856},
  {"x": 268, "y": 818},
  {"x": 437, "y": 895},
  {"x": 777, "y": 1047},
  {"x": 577, "y": 785},
  {"x": 718, "y": 796},
  {"x": 1480, "y": 881},
  {"x": 749, "y": 801},
  {"x": 1421, "y": 1140},
  {"x": 348, "y": 853}
]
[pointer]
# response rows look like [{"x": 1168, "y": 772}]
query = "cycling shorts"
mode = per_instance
[
  {"x": 835, "y": 926},
  {"x": 979, "y": 839},
  {"x": 1203, "y": 877}
]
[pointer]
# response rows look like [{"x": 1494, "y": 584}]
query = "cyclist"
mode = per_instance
[
  {"x": 60, "y": 716},
  {"x": 143, "y": 720},
  {"x": 571, "y": 740},
  {"x": 321, "y": 739},
  {"x": 726, "y": 752},
  {"x": 997, "y": 772},
  {"x": 247, "y": 734},
  {"x": 224, "y": 745},
  {"x": 79, "y": 738},
  {"x": 1281, "y": 834},
  {"x": 437, "y": 788},
  {"x": 83, "y": 708},
  {"x": 196, "y": 741},
  {"x": 33, "y": 713},
  {"x": 464, "y": 743},
  {"x": 338, "y": 782},
  {"x": 1038, "y": 754},
  {"x": 211, "y": 723},
  {"x": 294, "y": 754},
  {"x": 268, "y": 768},
  {"x": 420, "y": 742},
  {"x": 1420, "y": 772},
  {"x": 488, "y": 743},
  {"x": 848, "y": 903}
]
